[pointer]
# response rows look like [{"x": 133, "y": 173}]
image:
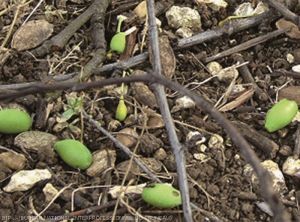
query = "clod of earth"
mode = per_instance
[
  {"x": 280, "y": 115},
  {"x": 74, "y": 153},
  {"x": 162, "y": 195},
  {"x": 14, "y": 121}
]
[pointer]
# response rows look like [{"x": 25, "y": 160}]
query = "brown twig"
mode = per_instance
[
  {"x": 297, "y": 143},
  {"x": 233, "y": 27},
  {"x": 284, "y": 11},
  {"x": 60, "y": 40},
  {"x": 122, "y": 65},
  {"x": 248, "y": 78},
  {"x": 98, "y": 39},
  {"x": 269, "y": 147},
  {"x": 122, "y": 147},
  {"x": 246, "y": 45},
  {"x": 165, "y": 112}
]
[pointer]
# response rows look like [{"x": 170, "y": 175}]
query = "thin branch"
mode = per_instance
[
  {"x": 60, "y": 40},
  {"x": 98, "y": 39},
  {"x": 165, "y": 111},
  {"x": 284, "y": 11},
  {"x": 246, "y": 45},
  {"x": 131, "y": 62},
  {"x": 228, "y": 29},
  {"x": 125, "y": 149}
]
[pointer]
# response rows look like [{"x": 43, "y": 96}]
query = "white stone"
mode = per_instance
[
  {"x": 50, "y": 192},
  {"x": 26, "y": 179},
  {"x": 296, "y": 68},
  {"x": 179, "y": 17},
  {"x": 291, "y": 166}
]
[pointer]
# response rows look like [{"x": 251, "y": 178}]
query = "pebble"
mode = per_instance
[
  {"x": 12, "y": 160},
  {"x": 26, "y": 179},
  {"x": 102, "y": 160}
]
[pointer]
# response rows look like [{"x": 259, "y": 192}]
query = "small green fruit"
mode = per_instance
[
  {"x": 118, "y": 42},
  {"x": 74, "y": 153},
  {"x": 121, "y": 112},
  {"x": 14, "y": 121},
  {"x": 162, "y": 195},
  {"x": 280, "y": 115}
]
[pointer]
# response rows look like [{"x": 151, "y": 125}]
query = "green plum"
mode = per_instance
[
  {"x": 14, "y": 121},
  {"x": 74, "y": 153},
  {"x": 280, "y": 115},
  {"x": 162, "y": 195}
]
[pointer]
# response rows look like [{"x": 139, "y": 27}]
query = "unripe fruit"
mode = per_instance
[
  {"x": 121, "y": 112},
  {"x": 74, "y": 153},
  {"x": 162, "y": 195},
  {"x": 14, "y": 121},
  {"x": 118, "y": 42},
  {"x": 280, "y": 115}
]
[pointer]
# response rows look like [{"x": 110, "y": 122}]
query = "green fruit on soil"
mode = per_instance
[
  {"x": 74, "y": 153},
  {"x": 14, "y": 121},
  {"x": 162, "y": 195},
  {"x": 118, "y": 42},
  {"x": 280, "y": 115},
  {"x": 121, "y": 112}
]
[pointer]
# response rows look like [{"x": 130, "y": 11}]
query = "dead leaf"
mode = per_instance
[
  {"x": 141, "y": 10},
  {"x": 292, "y": 29},
  {"x": 238, "y": 101},
  {"x": 167, "y": 57},
  {"x": 155, "y": 120},
  {"x": 142, "y": 93},
  {"x": 32, "y": 34}
]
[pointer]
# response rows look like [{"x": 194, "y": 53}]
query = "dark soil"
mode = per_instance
[{"x": 231, "y": 194}]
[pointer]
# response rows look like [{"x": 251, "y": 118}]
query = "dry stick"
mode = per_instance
[
  {"x": 60, "y": 40},
  {"x": 122, "y": 147},
  {"x": 229, "y": 29},
  {"x": 248, "y": 154},
  {"x": 98, "y": 39},
  {"x": 160, "y": 95},
  {"x": 297, "y": 143},
  {"x": 269, "y": 147},
  {"x": 246, "y": 45},
  {"x": 284, "y": 11},
  {"x": 248, "y": 78},
  {"x": 133, "y": 61}
]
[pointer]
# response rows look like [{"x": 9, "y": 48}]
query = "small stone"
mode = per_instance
[
  {"x": 35, "y": 140},
  {"x": 153, "y": 164},
  {"x": 149, "y": 144},
  {"x": 296, "y": 54},
  {"x": 102, "y": 160},
  {"x": 26, "y": 179},
  {"x": 12, "y": 160},
  {"x": 128, "y": 137},
  {"x": 285, "y": 150},
  {"x": 214, "y": 67},
  {"x": 183, "y": 103},
  {"x": 50, "y": 192},
  {"x": 184, "y": 32},
  {"x": 216, "y": 142},
  {"x": 276, "y": 175},
  {"x": 200, "y": 156},
  {"x": 296, "y": 68},
  {"x": 290, "y": 58},
  {"x": 160, "y": 154},
  {"x": 291, "y": 166},
  {"x": 183, "y": 17},
  {"x": 31, "y": 34}
]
